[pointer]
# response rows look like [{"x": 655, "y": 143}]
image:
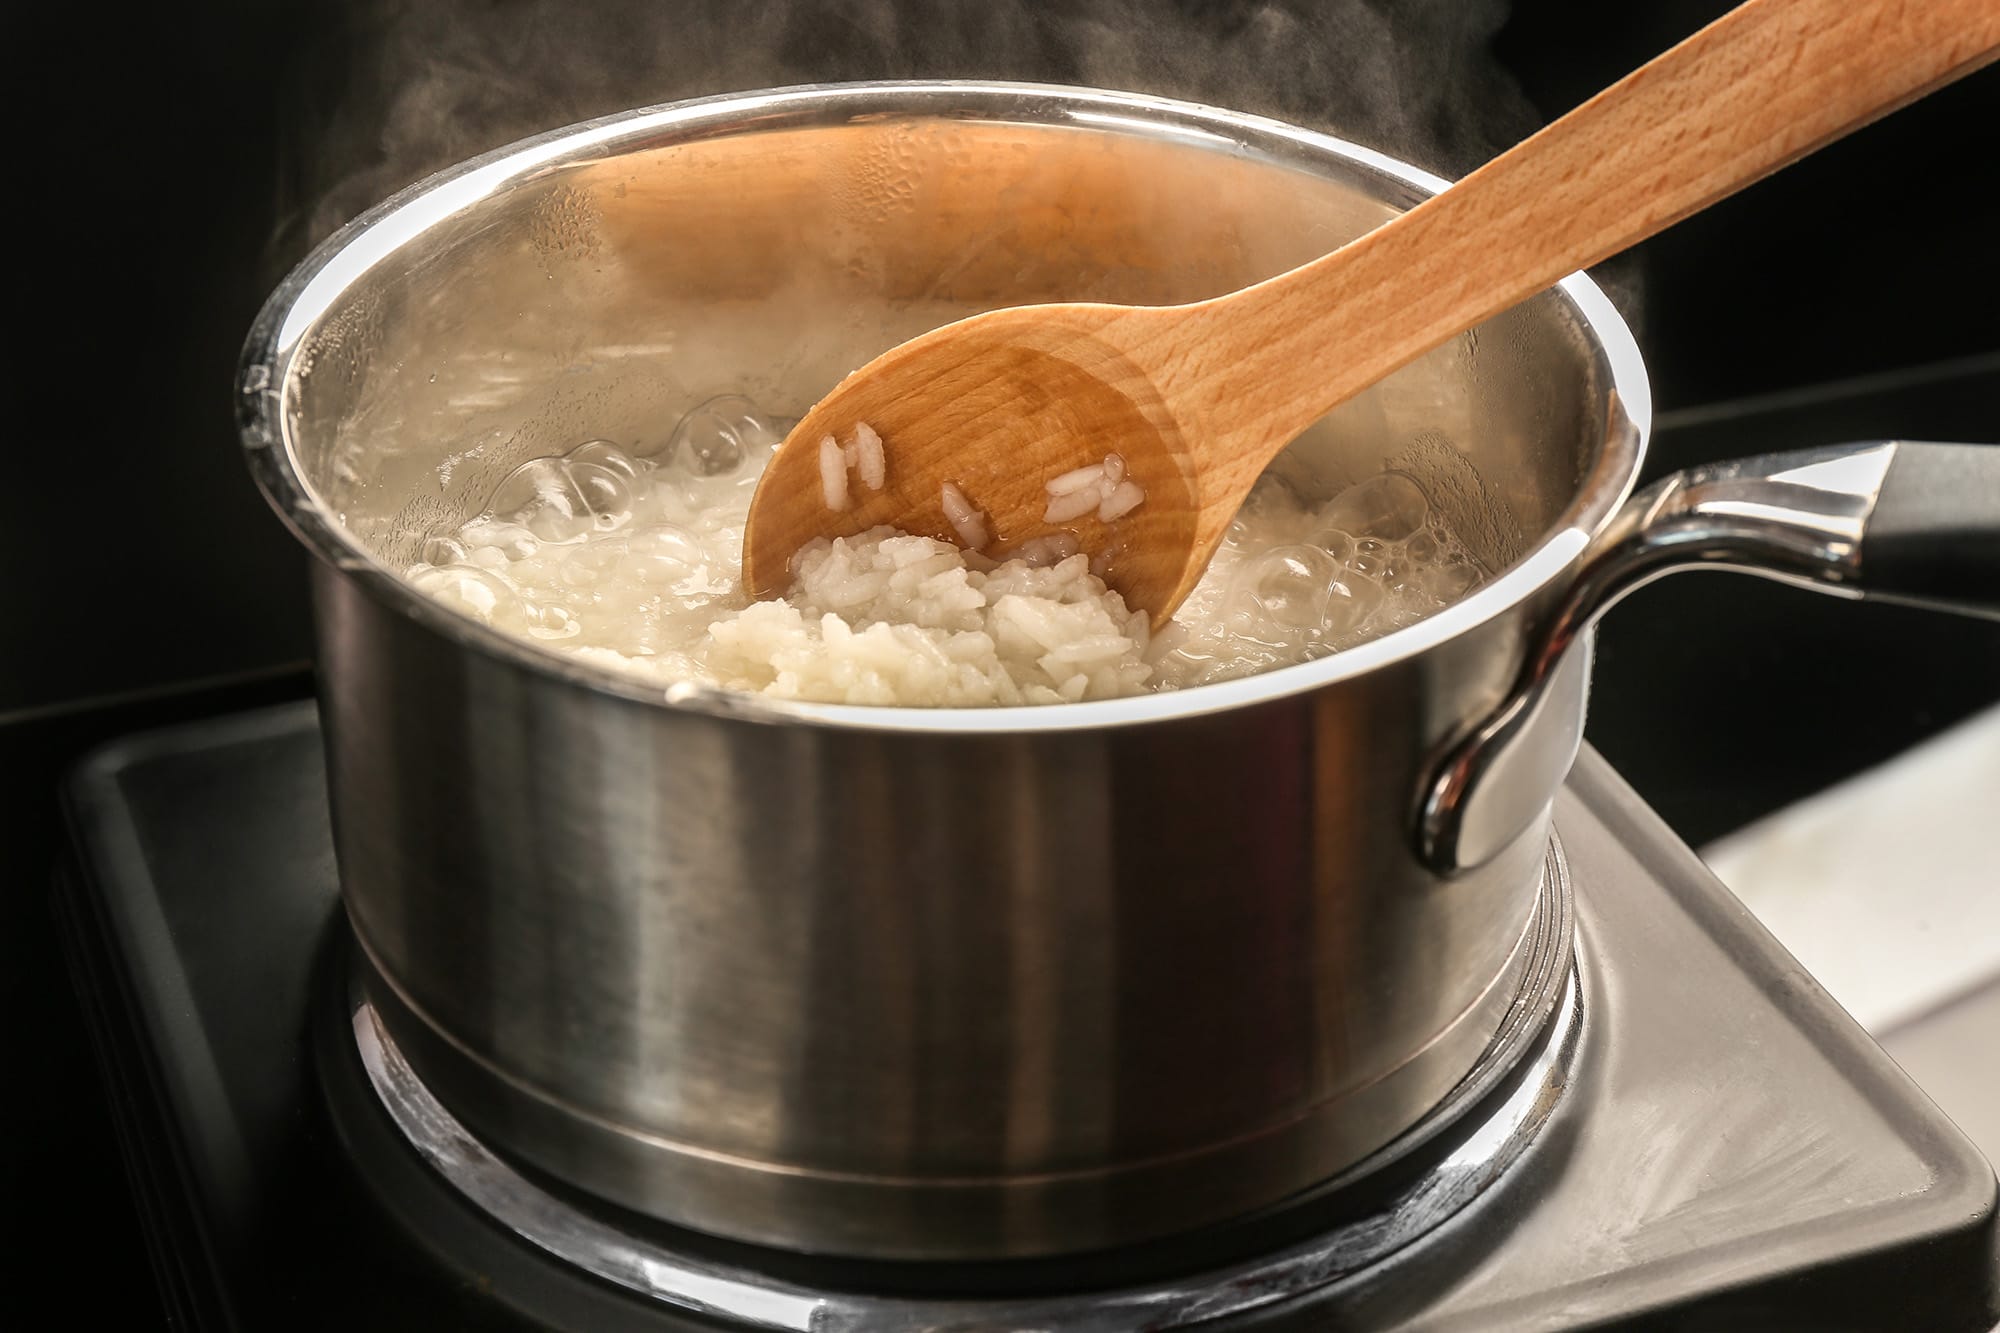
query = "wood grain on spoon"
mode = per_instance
[{"x": 1199, "y": 398}]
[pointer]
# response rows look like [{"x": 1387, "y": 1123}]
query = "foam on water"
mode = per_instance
[{"x": 634, "y": 563}]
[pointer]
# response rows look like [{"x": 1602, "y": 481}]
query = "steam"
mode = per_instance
[{"x": 420, "y": 84}]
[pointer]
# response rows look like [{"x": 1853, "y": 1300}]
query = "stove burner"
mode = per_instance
[{"x": 1444, "y": 1163}]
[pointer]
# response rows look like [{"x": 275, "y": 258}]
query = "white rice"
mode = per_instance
[
  {"x": 1070, "y": 482},
  {"x": 861, "y": 455},
  {"x": 967, "y": 520},
  {"x": 634, "y": 563},
  {"x": 1102, "y": 486},
  {"x": 864, "y": 455},
  {"x": 1070, "y": 507},
  {"x": 832, "y": 474},
  {"x": 1121, "y": 500},
  {"x": 887, "y": 618}
]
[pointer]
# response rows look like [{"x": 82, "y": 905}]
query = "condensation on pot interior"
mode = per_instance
[{"x": 632, "y": 561}]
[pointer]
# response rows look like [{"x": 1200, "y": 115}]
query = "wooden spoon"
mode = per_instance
[{"x": 1197, "y": 399}]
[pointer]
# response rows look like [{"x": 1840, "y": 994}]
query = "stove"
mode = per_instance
[{"x": 1683, "y": 1131}]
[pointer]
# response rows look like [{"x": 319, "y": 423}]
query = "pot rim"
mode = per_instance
[{"x": 267, "y": 367}]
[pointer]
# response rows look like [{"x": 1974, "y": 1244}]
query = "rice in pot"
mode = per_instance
[{"x": 633, "y": 563}]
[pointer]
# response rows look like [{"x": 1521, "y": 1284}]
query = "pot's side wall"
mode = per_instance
[{"x": 910, "y": 957}]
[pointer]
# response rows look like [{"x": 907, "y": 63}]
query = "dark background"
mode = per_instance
[{"x": 173, "y": 153}]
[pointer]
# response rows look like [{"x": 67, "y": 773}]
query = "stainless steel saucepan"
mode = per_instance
[{"x": 971, "y": 983}]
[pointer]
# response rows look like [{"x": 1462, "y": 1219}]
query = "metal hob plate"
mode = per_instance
[{"x": 1731, "y": 1150}]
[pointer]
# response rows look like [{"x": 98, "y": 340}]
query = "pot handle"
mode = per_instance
[{"x": 1892, "y": 521}]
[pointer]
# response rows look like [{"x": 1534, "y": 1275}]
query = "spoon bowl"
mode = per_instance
[{"x": 1010, "y": 398}]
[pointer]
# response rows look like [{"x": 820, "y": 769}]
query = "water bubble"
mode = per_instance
[
  {"x": 442, "y": 551},
  {"x": 1422, "y": 546},
  {"x": 604, "y": 454},
  {"x": 543, "y": 496},
  {"x": 1389, "y": 506},
  {"x": 1286, "y": 589},
  {"x": 715, "y": 438},
  {"x": 1350, "y": 604},
  {"x": 606, "y": 492},
  {"x": 1369, "y": 559}
]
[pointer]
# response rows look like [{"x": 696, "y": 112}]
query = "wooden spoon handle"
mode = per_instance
[{"x": 1765, "y": 84}]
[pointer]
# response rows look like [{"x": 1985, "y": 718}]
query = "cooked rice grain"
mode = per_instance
[{"x": 832, "y": 474}]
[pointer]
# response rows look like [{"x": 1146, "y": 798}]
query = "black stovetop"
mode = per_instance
[{"x": 1732, "y": 1150}]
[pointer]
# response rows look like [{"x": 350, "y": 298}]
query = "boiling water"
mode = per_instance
[{"x": 634, "y": 563}]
